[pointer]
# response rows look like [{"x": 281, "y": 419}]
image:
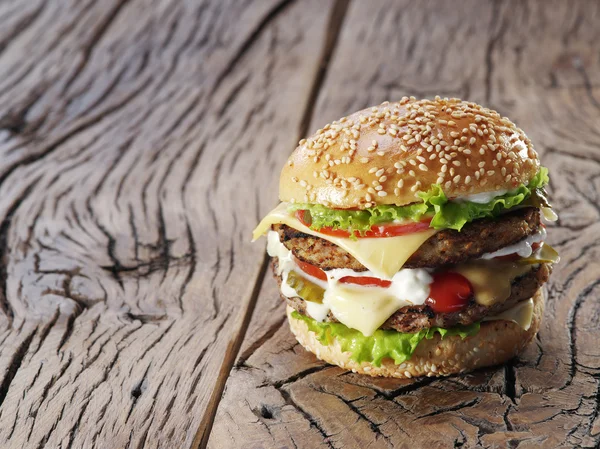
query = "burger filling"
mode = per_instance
[{"x": 380, "y": 280}]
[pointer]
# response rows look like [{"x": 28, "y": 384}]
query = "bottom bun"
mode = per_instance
[{"x": 496, "y": 342}]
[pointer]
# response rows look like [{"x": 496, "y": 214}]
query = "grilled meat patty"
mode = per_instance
[
  {"x": 412, "y": 319},
  {"x": 445, "y": 247}
]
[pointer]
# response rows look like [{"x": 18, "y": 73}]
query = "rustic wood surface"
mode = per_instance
[
  {"x": 140, "y": 142},
  {"x": 537, "y": 62}
]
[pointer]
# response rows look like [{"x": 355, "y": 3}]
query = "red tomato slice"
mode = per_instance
[
  {"x": 449, "y": 292},
  {"x": 365, "y": 280},
  {"x": 384, "y": 230},
  {"x": 311, "y": 270},
  {"x": 392, "y": 230},
  {"x": 359, "y": 280}
]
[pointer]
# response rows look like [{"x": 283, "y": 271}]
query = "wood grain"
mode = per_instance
[
  {"x": 138, "y": 140},
  {"x": 536, "y": 62}
]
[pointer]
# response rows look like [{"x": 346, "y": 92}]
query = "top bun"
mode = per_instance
[{"x": 388, "y": 153}]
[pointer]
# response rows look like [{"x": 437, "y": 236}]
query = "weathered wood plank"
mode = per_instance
[
  {"x": 137, "y": 138},
  {"x": 536, "y": 62}
]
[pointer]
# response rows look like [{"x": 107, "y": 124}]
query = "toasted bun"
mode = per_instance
[
  {"x": 495, "y": 343},
  {"x": 386, "y": 154}
]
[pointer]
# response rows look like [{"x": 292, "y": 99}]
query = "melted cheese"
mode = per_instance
[
  {"x": 491, "y": 280},
  {"x": 383, "y": 256},
  {"x": 521, "y": 313}
]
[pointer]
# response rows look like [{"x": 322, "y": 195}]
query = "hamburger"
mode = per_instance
[{"x": 410, "y": 239}]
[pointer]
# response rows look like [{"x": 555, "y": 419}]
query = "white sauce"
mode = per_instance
[
  {"x": 482, "y": 198},
  {"x": 285, "y": 261},
  {"x": 522, "y": 248}
]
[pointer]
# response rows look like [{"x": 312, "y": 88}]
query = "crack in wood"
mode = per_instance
[
  {"x": 314, "y": 423},
  {"x": 510, "y": 381},
  {"x": 489, "y": 60},
  {"x": 572, "y": 329},
  {"x": 251, "y": 39},
  {"x": 14, "y": 365},
  {"x": 5, "y": 306},
  {"x": 93, "y": 41},
  {"x": 454, "y": 408}
]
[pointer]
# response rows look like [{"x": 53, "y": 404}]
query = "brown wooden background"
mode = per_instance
[{"x": 140, "y": 142}]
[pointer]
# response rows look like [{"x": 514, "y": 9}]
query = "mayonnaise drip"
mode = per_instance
[{"x": 522, "y": 248}]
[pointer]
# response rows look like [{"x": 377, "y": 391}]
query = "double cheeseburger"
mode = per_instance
[{"x": 410, "y": 240}]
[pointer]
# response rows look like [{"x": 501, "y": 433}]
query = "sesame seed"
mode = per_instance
[
  {"x": 383, "y": 179},
  {"x": 400, "y": 183},
  {"x": 382, "y": 193},
  {"x": 379, "y": 172},
  {"x": 373, "y": 169},
  {"x": 456, "y": 163},
  {"x": 423, "y": 167},
  {"x": 456, "y": 179},
  {"x": 364, "y": 160},
  {"x": 380, "y": 153},
  {"x": 378, "y": 187}
]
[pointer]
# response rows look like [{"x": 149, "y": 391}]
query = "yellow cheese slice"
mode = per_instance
[
  {"x": 384, "y": 256},
  {"x": 362, "y": 309},
  {"x": 521, "y": 313}
]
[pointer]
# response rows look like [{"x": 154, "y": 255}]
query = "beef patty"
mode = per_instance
[
  {"x": 445, "y": 247},
  {"x": 411, "y": 319}
]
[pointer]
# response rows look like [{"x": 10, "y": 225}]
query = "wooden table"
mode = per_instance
[{"x": 140, "y": 144}]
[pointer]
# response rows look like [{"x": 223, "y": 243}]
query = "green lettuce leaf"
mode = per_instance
[
  {"x": 455, "y": 214},
  {"x": 446, "y": 214},
  {"x": 359, "y": 220},
  {"x": 382, "y": 344}
]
